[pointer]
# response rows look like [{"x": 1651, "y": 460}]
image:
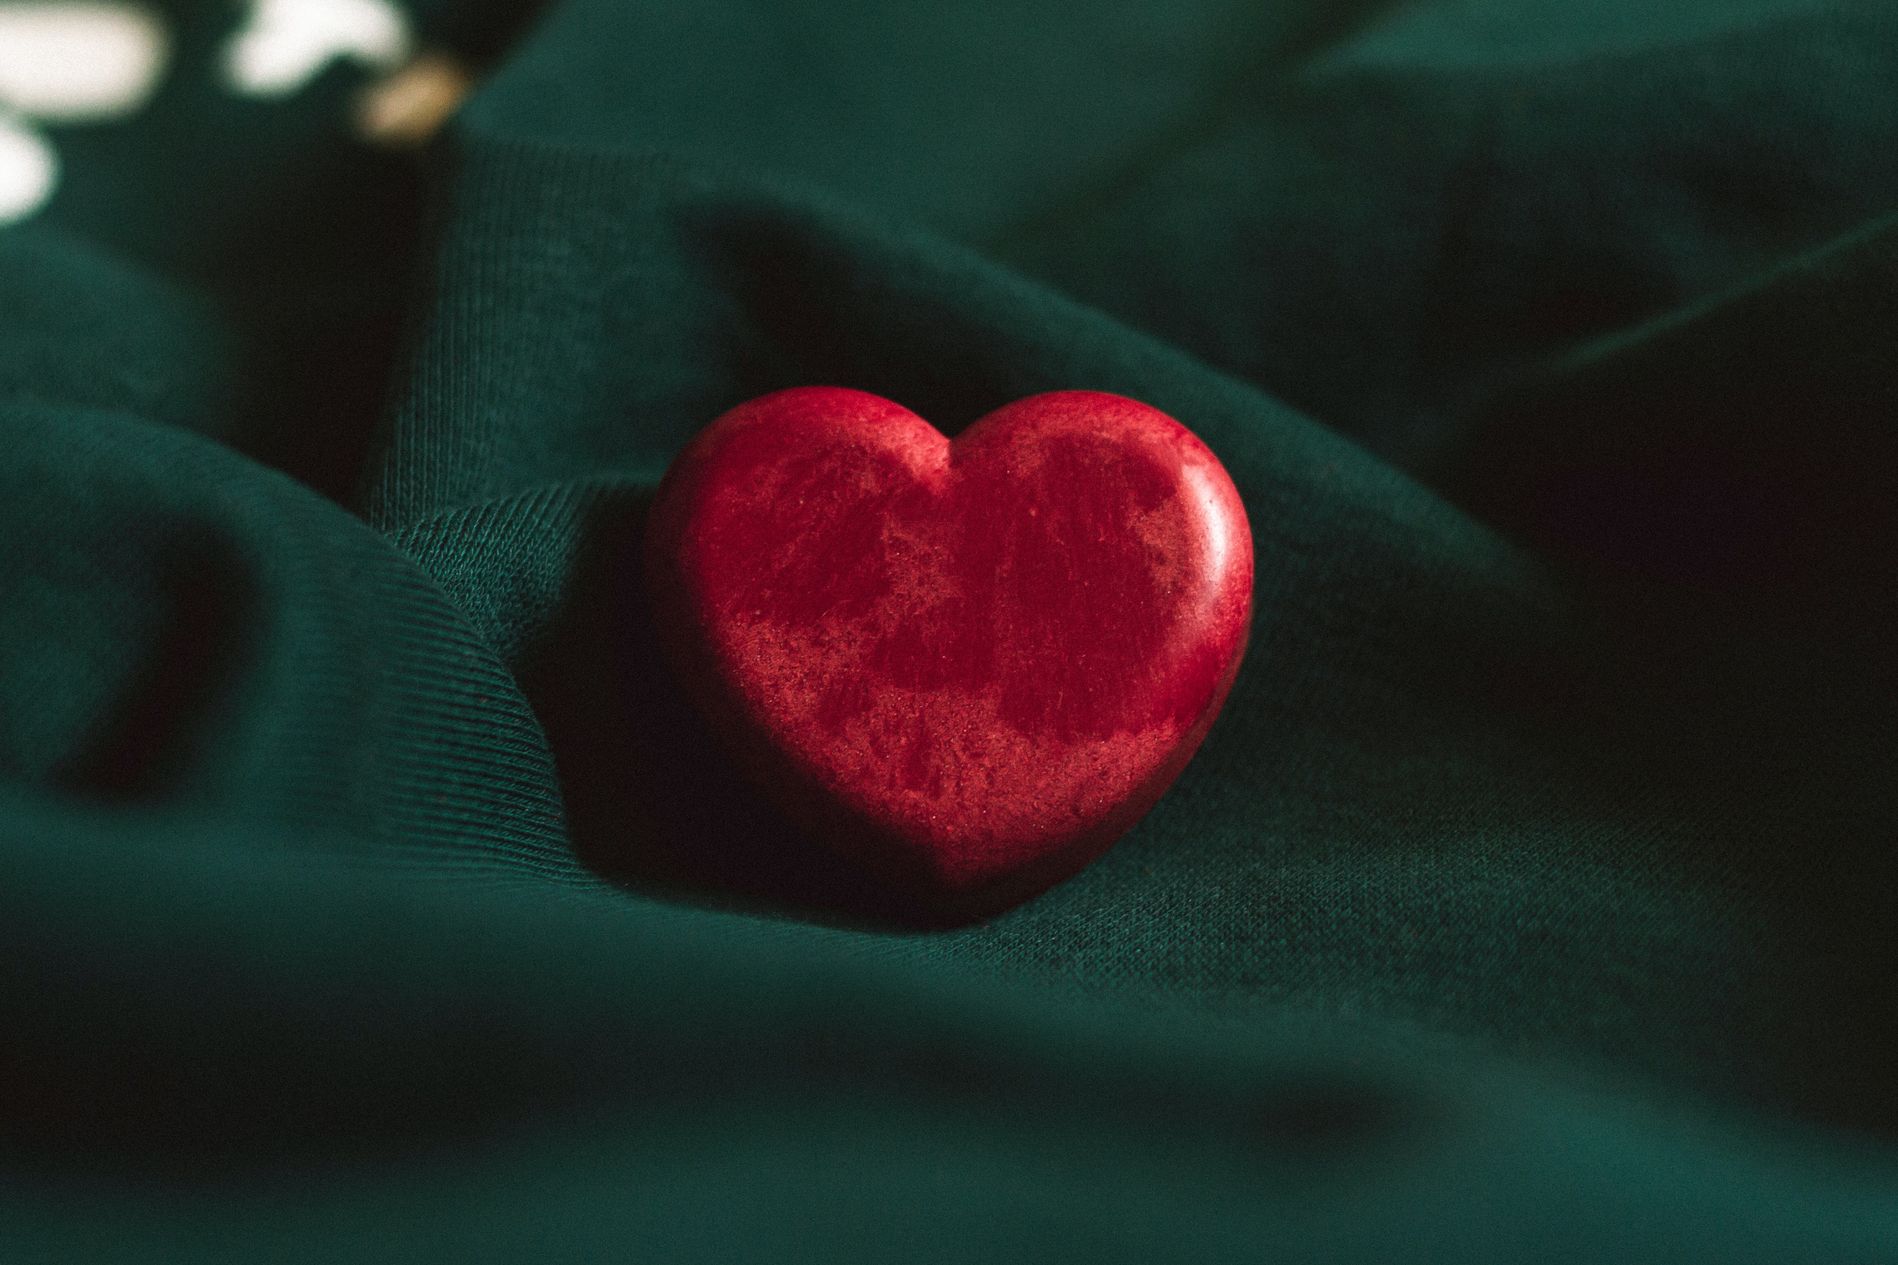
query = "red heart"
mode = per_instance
[{"x": 971, "y": 665}]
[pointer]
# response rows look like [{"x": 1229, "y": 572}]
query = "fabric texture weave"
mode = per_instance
[{"x": 367, "y": 891}]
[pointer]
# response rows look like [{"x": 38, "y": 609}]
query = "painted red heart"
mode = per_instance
[{"x": 970, "y": 665}]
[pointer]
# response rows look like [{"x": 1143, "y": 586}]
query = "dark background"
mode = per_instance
[{"x": 365, "y": 888}]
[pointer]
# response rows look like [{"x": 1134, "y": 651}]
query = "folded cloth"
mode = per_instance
[{"x": 368, "y": 891}]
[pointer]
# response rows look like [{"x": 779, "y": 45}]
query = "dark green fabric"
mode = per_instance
[{"x": 367, "y": 891}]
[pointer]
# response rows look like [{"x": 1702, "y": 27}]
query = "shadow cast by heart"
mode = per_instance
[{"x": 654, "y": 803}]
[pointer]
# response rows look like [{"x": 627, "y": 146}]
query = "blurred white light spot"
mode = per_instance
[
  {"x": 73, "y": 61},
  {"x": 28, "y": 170},
  {"x": 286, "y": 43},
  {"x": 407, "y": 108}
]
